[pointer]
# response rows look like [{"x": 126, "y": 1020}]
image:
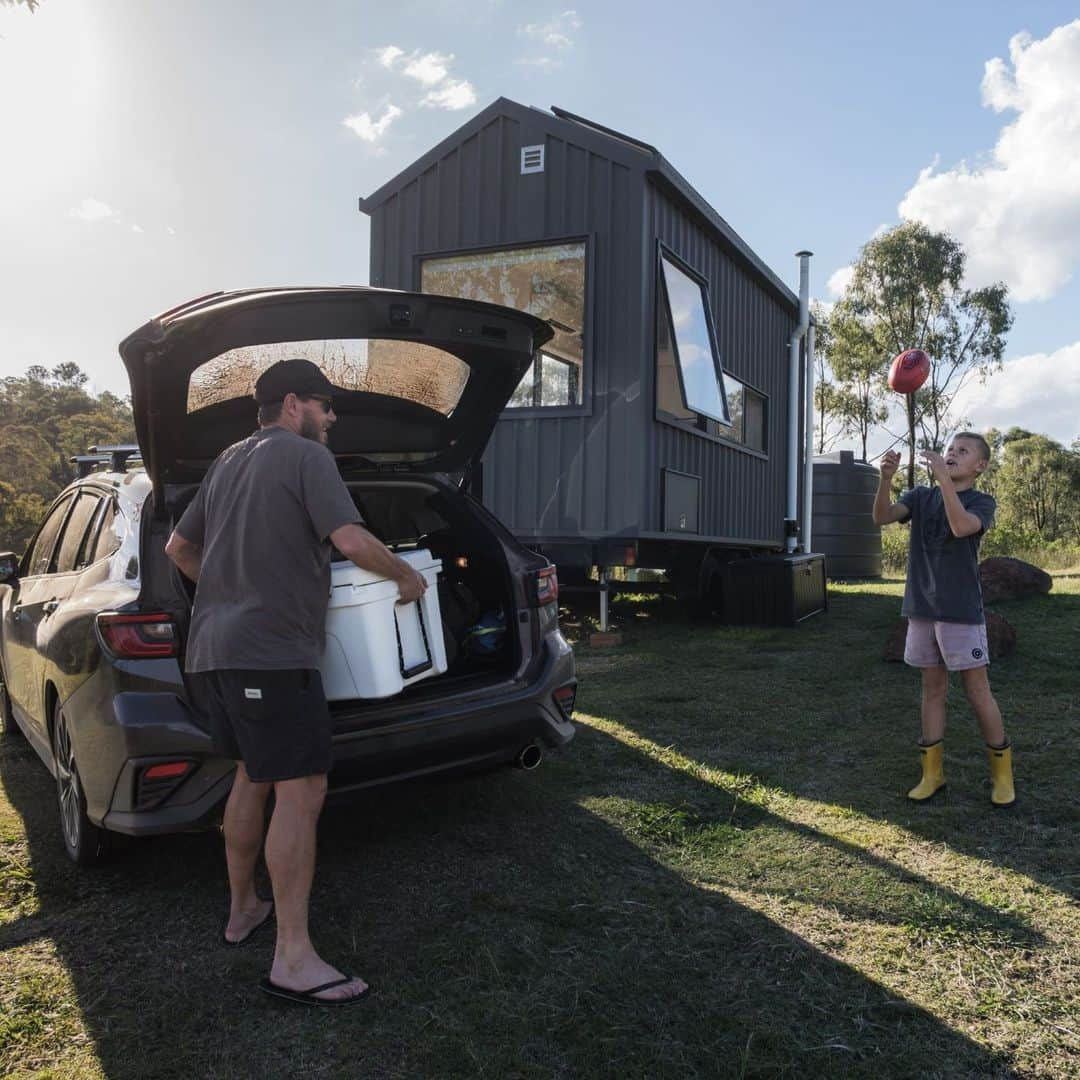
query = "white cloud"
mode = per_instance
[
  {"x": 1018, "y": 214},
  {"x": 545, "y": 63},
  {"x": 428, "y": 68},
  {"x": 840, "y": 280},
  {"x": 170, "y": 230},
  {"x": 452, "y": 94},
  {"x": 137, "y": 228},
  {"x": 372, "y": 130},
  {"x": 1040, "y": 392},
  {"x": 388, "y": 55},
  {"x": 556, "y": 32},
  {"x": 92, "y": 210}
]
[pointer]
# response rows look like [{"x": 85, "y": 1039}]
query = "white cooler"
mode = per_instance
[{"x": 374, "y": 647}]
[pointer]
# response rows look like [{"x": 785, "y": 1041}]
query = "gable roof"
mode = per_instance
[{"x": 607, "y": 142}]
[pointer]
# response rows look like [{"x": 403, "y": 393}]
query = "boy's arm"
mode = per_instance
[
  {"x": 885, "y": 510},
  {"x": 961, "y": 522}
]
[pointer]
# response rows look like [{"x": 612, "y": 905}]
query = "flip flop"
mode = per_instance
[
  {"x": 307, "y": 997},
  {"x": 248, "y": 936}
]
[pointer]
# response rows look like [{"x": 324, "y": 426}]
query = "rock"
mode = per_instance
[
  {"x": 1009, "y": 579},
  {"x": 1000, "y": 635}
]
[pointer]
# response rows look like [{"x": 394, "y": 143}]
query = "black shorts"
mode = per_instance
[{"x": 275, "y": 722}]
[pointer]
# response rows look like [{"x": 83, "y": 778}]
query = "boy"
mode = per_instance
[{"x": 943, "y": 602}]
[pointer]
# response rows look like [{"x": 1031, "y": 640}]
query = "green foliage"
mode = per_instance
[
  {"x": 858, "y": 394},
  {"x": 1037, "y": 484},
  {"x": 894, "y": 548},
  {"x": 46, "y": 417}
]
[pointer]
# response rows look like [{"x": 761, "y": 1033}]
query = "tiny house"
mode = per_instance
[{"x": 664, "y": 425}]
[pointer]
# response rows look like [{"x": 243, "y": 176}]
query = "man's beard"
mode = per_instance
[{"x": 310, "y": 428}]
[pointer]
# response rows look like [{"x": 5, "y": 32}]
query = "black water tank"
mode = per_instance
[{"x": 844, "y": 529}]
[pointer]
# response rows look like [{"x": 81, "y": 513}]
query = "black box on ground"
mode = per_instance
[{"x": 773, "y": 590}]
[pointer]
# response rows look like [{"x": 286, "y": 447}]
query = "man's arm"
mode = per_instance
[
  {"x": 186, "y": 555},
  {"x": 961, "y": 522},
  {"x": 360, "y": 547},
  {"x": 885, "y": 510}
]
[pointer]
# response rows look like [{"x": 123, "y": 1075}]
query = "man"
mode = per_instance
[
  {"x": 943, "y": 603},
  {"x": 256, "y": 540}
]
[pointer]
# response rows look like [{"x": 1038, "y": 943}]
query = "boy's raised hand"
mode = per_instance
[{"x": 890, "y": 462}]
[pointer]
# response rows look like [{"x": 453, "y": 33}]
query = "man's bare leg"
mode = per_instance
[
  {"x": 981, "y": 699},
  {"x": 245, "y": 820},
  {"x": 935, "y": 689},
  {"x": 290, "y": 858}
]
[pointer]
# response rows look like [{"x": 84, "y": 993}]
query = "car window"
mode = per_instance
[
  {"x": 86, "y": 555},
  {"x": 39, "y": 557},
  {"x": 107, "y": 539},
  {"x": 71, "y": 542}
]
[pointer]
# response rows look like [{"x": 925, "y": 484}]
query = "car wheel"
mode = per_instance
[
  {"x": 84, "y": 842},
  {"x": 9, "y": 727}
]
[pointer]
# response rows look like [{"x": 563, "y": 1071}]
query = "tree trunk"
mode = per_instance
[{"x": 911, "y": 440}]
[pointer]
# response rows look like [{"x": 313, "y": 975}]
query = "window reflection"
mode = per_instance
[
  {"x": 697, "y": 361},
  {"x": 547, "y": 281}
]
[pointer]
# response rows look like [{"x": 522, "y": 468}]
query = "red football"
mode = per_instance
[{"x": 909, "y": 371}]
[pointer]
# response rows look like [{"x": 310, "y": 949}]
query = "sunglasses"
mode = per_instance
[{"x": 326, "y": 403}]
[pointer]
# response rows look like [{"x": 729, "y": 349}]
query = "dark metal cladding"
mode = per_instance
[{"x": 596, "y": 471}]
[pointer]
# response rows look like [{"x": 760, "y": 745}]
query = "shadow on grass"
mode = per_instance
[
  {"x": 510, "y": 932},
  {"x": 815, "y": 710}
]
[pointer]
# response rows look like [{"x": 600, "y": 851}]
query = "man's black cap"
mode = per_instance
[{"x": 296, "y": 376}]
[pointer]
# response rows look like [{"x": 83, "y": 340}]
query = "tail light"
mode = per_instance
[
  {"x": 547, "y": 586},
  {"x": 565, "y": 697},
  {"x": 157, "y": 782},
  {"x": 138, "y": 636}
]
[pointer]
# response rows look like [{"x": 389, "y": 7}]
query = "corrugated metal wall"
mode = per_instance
[
  {"x": 544, "y": 477},
  {"x": 743, "y": 495},
  {"x": 598, "y": 474}
]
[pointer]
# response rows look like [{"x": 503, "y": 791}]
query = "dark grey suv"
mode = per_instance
[{"x": 94, "y": 616}]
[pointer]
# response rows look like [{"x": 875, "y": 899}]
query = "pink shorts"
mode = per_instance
[{"x": 958, "y": 646}]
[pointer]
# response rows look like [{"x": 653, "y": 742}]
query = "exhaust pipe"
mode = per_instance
[{"x": 530, "y": 757}]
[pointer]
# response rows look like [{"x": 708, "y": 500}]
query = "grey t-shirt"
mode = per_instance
[
  {"x": 943, "y": 570},
  {"x": 263, "y": 516}
]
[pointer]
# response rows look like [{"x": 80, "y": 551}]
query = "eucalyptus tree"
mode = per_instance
[{"x": 907, "y": 291}]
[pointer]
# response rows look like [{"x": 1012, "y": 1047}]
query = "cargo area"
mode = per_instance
[
  {"x": 480, "y": 628},
  {"x": 476, "y": 592}
]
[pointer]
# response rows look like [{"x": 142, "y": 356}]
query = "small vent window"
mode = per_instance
[{"x": 532, "y": 159}]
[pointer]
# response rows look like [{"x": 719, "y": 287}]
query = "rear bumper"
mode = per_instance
[{"x": 483, "y": 729}]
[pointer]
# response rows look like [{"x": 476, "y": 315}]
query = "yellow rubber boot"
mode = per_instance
[
  {"x": 1002, "y": 792},
  {"x": 933, "y": 772}
]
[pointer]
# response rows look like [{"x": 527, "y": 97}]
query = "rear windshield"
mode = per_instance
[{"x": 404, "y": 369}]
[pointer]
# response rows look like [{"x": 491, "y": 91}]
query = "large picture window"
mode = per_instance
[{"x": 546, "y": 280}]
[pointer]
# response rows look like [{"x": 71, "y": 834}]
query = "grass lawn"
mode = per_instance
[{"x": 720, "y": 877}]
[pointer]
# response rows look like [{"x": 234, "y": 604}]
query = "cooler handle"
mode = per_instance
[{"x": 424, "y": 665}]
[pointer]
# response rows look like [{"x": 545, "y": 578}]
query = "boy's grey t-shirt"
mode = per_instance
[
  {"x": 263, "y": 516},
  {"x": 943, "y": 570}
]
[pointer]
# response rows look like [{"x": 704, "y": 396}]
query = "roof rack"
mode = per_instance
[{"x": 116, "y": 457}]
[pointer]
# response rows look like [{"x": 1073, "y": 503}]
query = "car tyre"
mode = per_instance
[{"x": 84, "y": 842}]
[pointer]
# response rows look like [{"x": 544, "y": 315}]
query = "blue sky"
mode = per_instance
[{"x": 157, "y": 151}]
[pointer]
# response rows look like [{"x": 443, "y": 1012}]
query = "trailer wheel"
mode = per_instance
[{"x": 699, "y": 585}]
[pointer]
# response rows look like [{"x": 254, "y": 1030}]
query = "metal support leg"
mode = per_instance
[{"x": 603, "y": 601}]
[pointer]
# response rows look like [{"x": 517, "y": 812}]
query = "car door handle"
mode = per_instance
[{"x": 50, "y": 606}]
